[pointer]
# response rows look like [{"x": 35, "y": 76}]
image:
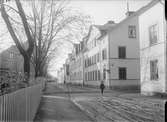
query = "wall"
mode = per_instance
[
  {"x": 148, "y": 52},
  {"x": 76, "y": 69},
  {"x": 119, "y": 37},
  {"x": 13, "y": 60},
  {"x": 101, "y": 44}
]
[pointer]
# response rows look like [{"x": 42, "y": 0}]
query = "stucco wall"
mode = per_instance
[
  {"x": 119, "y": 37},
  {"x": 102, "y": 44},
  {"x": 156, "y": 51}
]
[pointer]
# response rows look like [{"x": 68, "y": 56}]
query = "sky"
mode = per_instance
[{"x": 100, "y": 11}]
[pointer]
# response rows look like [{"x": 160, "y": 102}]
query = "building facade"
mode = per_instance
[
  {"x": 95, "y": 56},
  {"x": 66, "y": 71},
  {"x": 76, "y": 64},
  {"x": 12, "y": 61},
  {"x": 153, "y": 48},
  {"x": 60, "y": 76},
  {"x": 124, "y": 62}
]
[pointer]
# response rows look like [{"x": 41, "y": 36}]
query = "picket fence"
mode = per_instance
[{"x": 21, "y": 105}]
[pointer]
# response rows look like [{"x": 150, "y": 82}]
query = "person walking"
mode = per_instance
[{"x": 102, "y": 86}]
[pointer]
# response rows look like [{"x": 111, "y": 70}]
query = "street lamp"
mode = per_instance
[{"x": 107, "y": 70}]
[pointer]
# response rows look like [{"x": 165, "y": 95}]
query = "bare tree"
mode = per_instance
[
  {"x": 26, "y": 53},
  {"x": 44, "y": 28},
  {"x": 53, "y": 23}
]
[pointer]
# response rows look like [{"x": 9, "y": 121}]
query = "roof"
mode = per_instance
[
  {"x": 110, "y": 26},
  {"x": 102, "y": 28}
]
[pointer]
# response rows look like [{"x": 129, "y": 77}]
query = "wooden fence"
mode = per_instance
[{"x": 21, "y": 105}]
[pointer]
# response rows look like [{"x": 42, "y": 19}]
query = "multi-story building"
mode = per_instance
[
  {"x": 76, "y": 64},
  {"x": 95, "y": 54},
  {"x": 66, "y": 71},
  {"x": 152, "y": 27},
  {"x": 124, "y": 63},
  {"x": 60, "y": 75},
  {"x": 12, "y": 61},
  {"x": 111, "y": 54}
]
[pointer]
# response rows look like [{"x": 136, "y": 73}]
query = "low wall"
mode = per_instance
[{"x": 21, "y": 105}]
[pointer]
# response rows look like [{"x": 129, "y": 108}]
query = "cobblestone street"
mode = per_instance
[{"x": 76, "y": 103}]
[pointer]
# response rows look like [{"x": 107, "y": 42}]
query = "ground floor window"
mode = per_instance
[
  {"x": 104, "y": 74},
  {"x": 98, "y": 74},
  {"x": 122, "y": 73},
  {"x": 154, "y": 70}
]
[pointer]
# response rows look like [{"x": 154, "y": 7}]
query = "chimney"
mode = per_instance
[
  {"x": 129, "y": 13},
  {"x": 111, "y": 22}
]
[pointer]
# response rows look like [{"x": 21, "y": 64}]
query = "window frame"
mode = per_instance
[
  {"x": 120, "y": 74},
  {"x": 131, "y": 27},
  {"x": 120, "y": 55},
  {"x": 154, "y": 75},
  {"x": 151, "y": 41}
]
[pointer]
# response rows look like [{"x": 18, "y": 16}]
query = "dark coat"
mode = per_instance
[{"x": 102, "y": 86}]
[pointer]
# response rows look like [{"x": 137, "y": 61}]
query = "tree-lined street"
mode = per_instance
[{"x": 78, "y": 103}]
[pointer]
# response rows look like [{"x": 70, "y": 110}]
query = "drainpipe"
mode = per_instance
[
  {"x": 83, "y": 65},
  {"x": 165, "y": 37},
  {"x": 108, "y": 39}
]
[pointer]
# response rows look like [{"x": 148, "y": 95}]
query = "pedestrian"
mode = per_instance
[{"x": 102, "y": 86}]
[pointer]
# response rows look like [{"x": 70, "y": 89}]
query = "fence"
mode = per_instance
[{"x": 21, "y": 105}]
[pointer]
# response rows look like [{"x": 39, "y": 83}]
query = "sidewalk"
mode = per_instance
[{"x": 59, "y": 109}]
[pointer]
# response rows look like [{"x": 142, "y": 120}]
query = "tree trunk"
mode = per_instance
[{"x": 26, "y": 68}]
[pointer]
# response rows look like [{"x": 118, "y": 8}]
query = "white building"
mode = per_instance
[
  {"x": 76, "y": 64},
  {"x": 152, "y": 27},
  {"x": 60, "y": 75},
  {"x": 92, "y": 57},
  {"x": 124, "y": 63},
  {"x": 118, "y": 48}
]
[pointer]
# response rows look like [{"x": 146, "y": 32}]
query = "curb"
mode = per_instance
[{"x": 87, "y": 112}]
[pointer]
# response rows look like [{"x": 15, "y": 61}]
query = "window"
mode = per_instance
[
  {"x": 122, "y": 52},
  {"x": 67, "y": 69},
  {"x": 104, "y": 54},
  {"x": 11, "y": 55},
  {"x": 98, "y": 57},
  {"x": 85, "y": 76},
  {"x": 85, "y": 63},
  {"x": 93, "y": 75},
  {"x": 88, "y": 61},
  {"x": 104, "y": 74},
  {"x": 98, "y": 74},
  {"x": 95, "y": 59},
  {"x": 122, "y": 73},
  {"x": 132, "y": 31},
  {"x": 88, "y": 76},
  {"x": 154, "y": 70},
  {"x": 153, "y": 34}
]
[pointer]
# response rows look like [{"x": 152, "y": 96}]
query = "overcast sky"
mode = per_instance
[{"x": 100, "y": 11}]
